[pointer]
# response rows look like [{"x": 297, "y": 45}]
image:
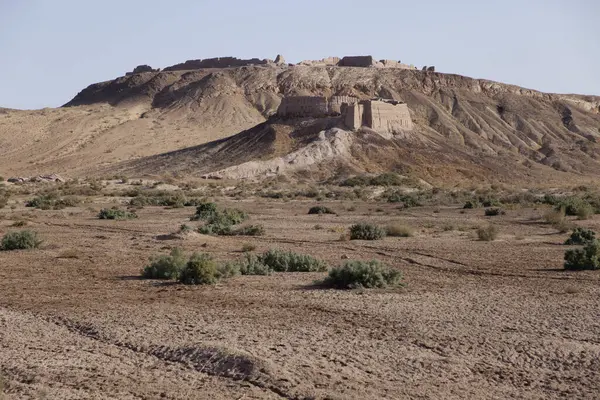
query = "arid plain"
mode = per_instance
[{"x": 473, "y": 319}]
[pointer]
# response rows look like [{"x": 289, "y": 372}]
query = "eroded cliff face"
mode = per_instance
[{"x": 169, "y": 110}]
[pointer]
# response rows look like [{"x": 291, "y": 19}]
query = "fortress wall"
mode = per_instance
[
  {"x": 356, "y": 61},
  {"x": 219, "y": 62},
  {"x": 387, "y": 117},
  {"x": 353, "y": 115},
  {"x": 303, "y": 106},
  {"x": 335, "y": 103}
]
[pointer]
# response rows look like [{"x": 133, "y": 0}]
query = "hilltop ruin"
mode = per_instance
[
  {"x": 381, "y": 115},
  {"x": 231, "y": 62}
]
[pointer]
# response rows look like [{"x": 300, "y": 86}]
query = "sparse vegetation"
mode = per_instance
[
  {"x": 200, "y": 269},
  {"x": 581, "y": 236},
  {"x": 584, "y": 258},
  {"x": 247, "y": 247},
  {"x": 471, "y": 204},
  {"x": 406, "y": 200},
  {"x": 491, "y": 212},
  {"x": 575, "y": 206},
  {"x": 165, "y": 266},
  {"x": 288, "y": 261},
  {"x": 399, "y": 230},
  {"x": 365, "y": 231},
  {"x": 487, "y": 233},
  {"x": 52, "y": 201},
  {"x": 116, "y": 214},
  {"x": 362, "y": 274},
  {"x": 20, "y": 240},
  {"x": 320, "y": 210}
]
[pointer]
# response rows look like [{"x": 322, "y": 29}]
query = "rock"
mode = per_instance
[
  {"x": 279, "y": 59},
  {"x": 140, "y": 69},
  {"x": 17, "y": 179},
  {"x": 431, "y": 69}
]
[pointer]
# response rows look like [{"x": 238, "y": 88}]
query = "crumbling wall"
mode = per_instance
[
  {"x": 335, "y": 103},
  {"x": 389, "y": 117},
  {"x": 353, "y": 115},
  {"x": 303, "y": 106},
  {"x": 325, "y": 62},
  {"x": 219, "y": 62},
  {"x": 356, "y": 61},
  {"x": 141, "y": 68}
]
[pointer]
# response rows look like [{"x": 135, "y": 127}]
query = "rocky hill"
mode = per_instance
[{"x": 221, "y": 122}]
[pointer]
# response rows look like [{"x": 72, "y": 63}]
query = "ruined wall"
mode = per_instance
[
  {"x": 325, "y": 62},
  {"x": 335, "y": 103},
  {"x": 303, "y": 106},
  {"x": 219, "y": 62},
  {"x": 356, "y": 61},
  {"x": 140, "y": 69},
  {"x": 387, "y": 116},
  {"x": 313, "y": 106},
  {"x": 353, "y": 115}
]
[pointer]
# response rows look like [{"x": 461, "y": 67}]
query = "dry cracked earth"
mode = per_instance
[{"x": 474, "y": 320}]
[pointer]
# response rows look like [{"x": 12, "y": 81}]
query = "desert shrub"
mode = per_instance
[
  {"x": 407, "y": 200},
  {"x": 247, "y": 247},
  {"x": 193, "y": 202},
  {"x": 471, "y": 204},
  {"x": 205, "y": 211},
  {"x": 587, "y": 257},
  {"x": 20, "y": 240},
  {"x": 218, "y": 229},
  {"x": 320, "y": 210},
  {"x": 227, "y": 270},
  {"x": 288, "y": 261},
  {"x": 491, "y": 202},
  {"x": 252, "y": 265},
  {"x": 19, "y": 224},
  {"x": 384, "y": 179},
  {"x": 576, "y": 206},
  {"x": 165, "y": 266},
  {"x": 52, "y": 201},
  {"x": 249, "y": 230},
  {"x": 555, "y": 216},
  {"x": 200, "y": 269},
  {"x": 399, "y": 230},
  {"x": 581, "y": 236},
  {"x": 488, "y": 233},
  {"x": 366, "y": 232},
  {"x": 164, "y": 199},
  {"x": 491, "y": 212},
  {"x": 185, "y": 228},
  {"x": 115, "y": 213},
  {"x": 3, "y": 201},
  {"x": 362, "y": 274}
]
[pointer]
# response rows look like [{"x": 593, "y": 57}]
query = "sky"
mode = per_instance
[{"x": 52, "y": 49}]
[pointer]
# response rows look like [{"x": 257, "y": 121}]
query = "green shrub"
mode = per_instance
[
  {"x": 366, "y": 232},
  {"x": 491, "y": 212},
  {"x": 488, "y": 233},
  {"x": 247, "y": 247},
  {"x": 576, "y": 206},
  {"x": 581, "y": 236},
  {"x": 399, "y": 230},
  {"x": 52, "y": 201},
  {"x": 204, "y": 211},
  {"x": 407, "y": 200},
  {"x": 586, "y": 258},
  {"x": 154, "y": 198},
  {"x": 490, "y": 202},
  {"x": 227, "y": 270},
  {"x": 384, "y": 179},
  {"x": 165, "y": 266},
  {"x": 471, "y": 204},
  {"x": 115, "y": 213},
  {"x": 20, "y": 240},
  {"x": 288, "y": 261},
  {"x": 252, "y": 265},
  {"x": 320, "y": 210},
  {"x": 361, "y": 274},
  {"x": 200, "y": 269}
]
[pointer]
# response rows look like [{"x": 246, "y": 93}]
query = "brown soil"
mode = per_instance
[{"x": 478, "y": 320}]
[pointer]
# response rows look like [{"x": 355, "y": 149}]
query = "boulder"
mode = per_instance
[{"x": 279, "y": 59}]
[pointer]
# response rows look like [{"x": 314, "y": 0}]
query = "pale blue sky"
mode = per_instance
[{"x": 51, "y": 49}]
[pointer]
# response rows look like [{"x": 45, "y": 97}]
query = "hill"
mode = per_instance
[{"x": 221, "y": 122}]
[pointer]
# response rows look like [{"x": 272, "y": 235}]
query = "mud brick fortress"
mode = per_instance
[{"x": 381, "y": 115}]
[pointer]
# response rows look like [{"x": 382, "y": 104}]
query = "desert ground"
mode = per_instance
[{"x": 473, "y": 319}]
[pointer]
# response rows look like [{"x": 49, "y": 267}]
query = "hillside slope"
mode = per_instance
[{"x": 465, "y": 127}]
